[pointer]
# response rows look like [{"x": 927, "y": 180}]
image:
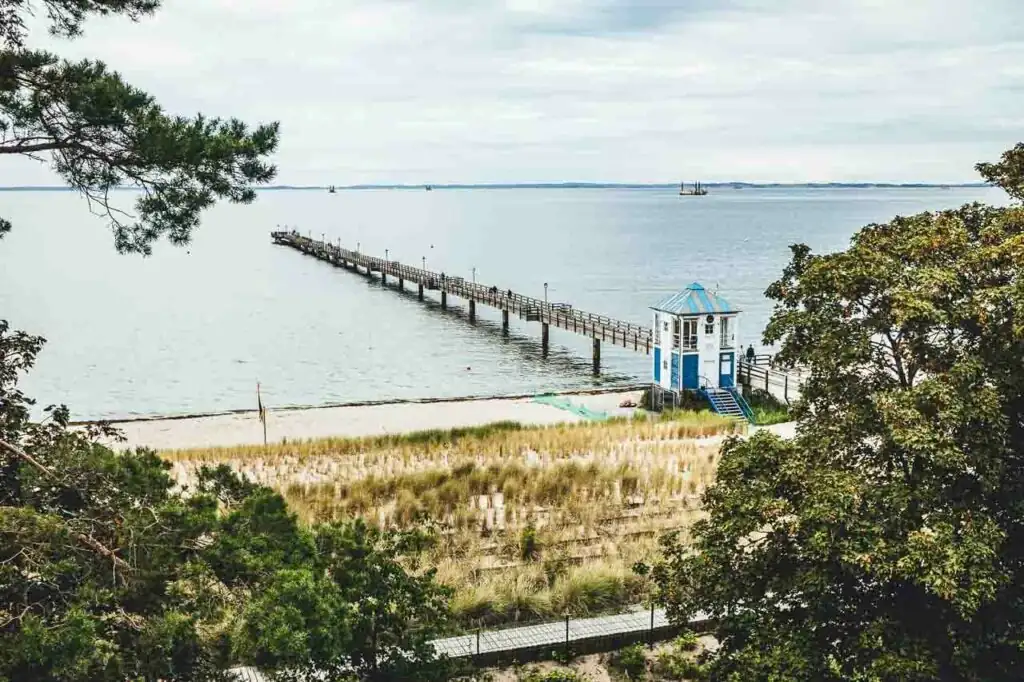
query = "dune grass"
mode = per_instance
[{"x": 532, "y": 522}]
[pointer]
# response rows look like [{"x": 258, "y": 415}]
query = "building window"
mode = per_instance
[
  {"x": 728, "y": 336},
  {"x": 657, "y": 329},
  {"x": 664, "y": 364},
  {"x": 690, "y": 334},
  {"x": 709, "y": 325},
  {"x": 675, "y": 333}
]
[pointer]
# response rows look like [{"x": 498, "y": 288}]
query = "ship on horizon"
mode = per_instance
[{"x": 697, "y": 191}]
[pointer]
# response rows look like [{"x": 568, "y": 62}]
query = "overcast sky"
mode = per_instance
[{"x": 380, "y": 91}]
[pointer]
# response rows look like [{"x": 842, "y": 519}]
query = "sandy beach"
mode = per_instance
[{"x": 362, "y": 420}]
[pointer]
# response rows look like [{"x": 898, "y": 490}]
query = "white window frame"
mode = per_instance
[{"x": 689, "y": 333}]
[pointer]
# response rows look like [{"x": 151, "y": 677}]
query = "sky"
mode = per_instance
[{"x": 488, "y": 91}]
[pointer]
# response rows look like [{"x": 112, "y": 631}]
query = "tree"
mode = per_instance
[
  {"x": 107, "y": 571},
  {"x": 100, "y": 133},
  {"x": 886, "y": 541},
  {"x": 355, "y": 611}
]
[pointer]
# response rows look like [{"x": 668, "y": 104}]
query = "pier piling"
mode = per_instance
[
  {"x": 444, "y": 300},
  {"x": 544, "y": 334},
  {"x": 504, "y": 321},
  {"x": 420, "y": 287},
  {"x": 472, "y": 310},
  {"x": 597, "y": 355}
]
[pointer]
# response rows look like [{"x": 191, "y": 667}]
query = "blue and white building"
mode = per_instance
[{"x": 695, "y": 341}]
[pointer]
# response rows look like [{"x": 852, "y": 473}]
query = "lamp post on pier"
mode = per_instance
[
  {"x": 357, "y": 247},
  {"x": 424, "y": 259},
  {"x": 385, "y": 254},
  {"x": 474, "y": 275},
  {"x": 545, "y": 293}
]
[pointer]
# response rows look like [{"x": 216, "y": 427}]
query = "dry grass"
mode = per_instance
[{"x": 534, "y": 522}]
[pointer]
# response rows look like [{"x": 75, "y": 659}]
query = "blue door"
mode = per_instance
[
  {"x": 690, "y": 375},
  {"x": 675, "y": 370},
  {"x": 726, "y": 370},
  {"x": 657, "y": 365}
]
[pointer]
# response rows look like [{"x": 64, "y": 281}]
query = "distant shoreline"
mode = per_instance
[{"x": 574, "y": 185}]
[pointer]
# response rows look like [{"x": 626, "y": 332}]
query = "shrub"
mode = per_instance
[
  {"x": 631, "y": 661},
  {"x": 556, "y": 675},
  {"x": 687, "y": 641},
  {"x": 767, "y": 408},
  {"x": 529, "y": 546}
]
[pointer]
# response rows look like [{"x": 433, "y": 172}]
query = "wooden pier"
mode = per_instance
[{"x": 598, "y": 327}]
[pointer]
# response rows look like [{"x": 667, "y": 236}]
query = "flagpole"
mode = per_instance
[{"x": 262, "y": 413}]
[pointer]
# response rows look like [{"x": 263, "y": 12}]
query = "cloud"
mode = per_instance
[{"x": 545, "y": 90}]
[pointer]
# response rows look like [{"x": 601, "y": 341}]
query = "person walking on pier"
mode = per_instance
[{"x": 750, "y": 354}]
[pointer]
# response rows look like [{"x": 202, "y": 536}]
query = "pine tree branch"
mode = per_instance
[{"x": 89, "y": 542}]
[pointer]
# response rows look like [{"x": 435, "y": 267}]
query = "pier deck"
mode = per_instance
[{"x": 600, "y": 328}]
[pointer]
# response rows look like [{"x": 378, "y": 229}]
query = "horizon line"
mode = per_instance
[{"x": 559, "y": 185}]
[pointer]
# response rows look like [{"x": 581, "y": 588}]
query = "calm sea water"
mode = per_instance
[{"x": 193, "y": 330}]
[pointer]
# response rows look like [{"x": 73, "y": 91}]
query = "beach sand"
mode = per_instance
[{"x": 360, "y": 420}]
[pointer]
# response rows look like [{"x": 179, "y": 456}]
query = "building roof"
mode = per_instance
[{"x": 694, "y": 300}]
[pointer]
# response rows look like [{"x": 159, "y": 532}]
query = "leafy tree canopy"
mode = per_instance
[
  {"x": 886, "y": 541},
  {"x": 107, "y": 572},
  {"x": 99, "y": 133}
]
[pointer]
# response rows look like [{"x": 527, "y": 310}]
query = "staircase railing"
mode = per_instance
[{"x": 744, "y": 405}]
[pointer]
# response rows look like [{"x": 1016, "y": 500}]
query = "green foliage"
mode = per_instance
[
  {"x": 887, "y": 540},
  {"x": 529, "y": 544},
  {"x": 107, "y": 573},
  {"x": 767, "y": 408},
  {"x": 679, "y": 661},
  {"x": 101, "y": 133},
  {"x": 630, "y": 661},
  {"x": 687, "y": 641},
  {"x": 1008, "y": 172},
  {"x": 554, "y": 675}
]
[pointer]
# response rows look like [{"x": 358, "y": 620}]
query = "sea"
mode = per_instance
[{"x": 194, "y": 329}]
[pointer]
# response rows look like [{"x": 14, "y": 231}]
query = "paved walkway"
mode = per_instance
[
  {"x": 528, "y": 636},
  {"x": 531, "y": 636}
]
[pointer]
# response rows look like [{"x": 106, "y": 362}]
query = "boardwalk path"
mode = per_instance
[
  {"x": 553, "y": 635},
  {"x": 602, "y": 633}
]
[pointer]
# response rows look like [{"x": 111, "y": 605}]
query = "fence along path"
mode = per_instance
[
  {"x": 527, "y": 642},
  {"x": 601, "y": 328}
]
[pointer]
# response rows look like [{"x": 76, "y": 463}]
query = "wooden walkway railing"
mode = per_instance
[
  {"x": 598, "y": 327},
  {"x": 784, "y": 386}
]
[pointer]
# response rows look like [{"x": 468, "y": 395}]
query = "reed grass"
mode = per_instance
[{"x": 533, "y": 522}]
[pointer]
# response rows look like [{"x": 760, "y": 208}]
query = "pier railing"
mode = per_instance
[
  {"x": 784, "y": 386},
  {"x": 599, "y": 327}
]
